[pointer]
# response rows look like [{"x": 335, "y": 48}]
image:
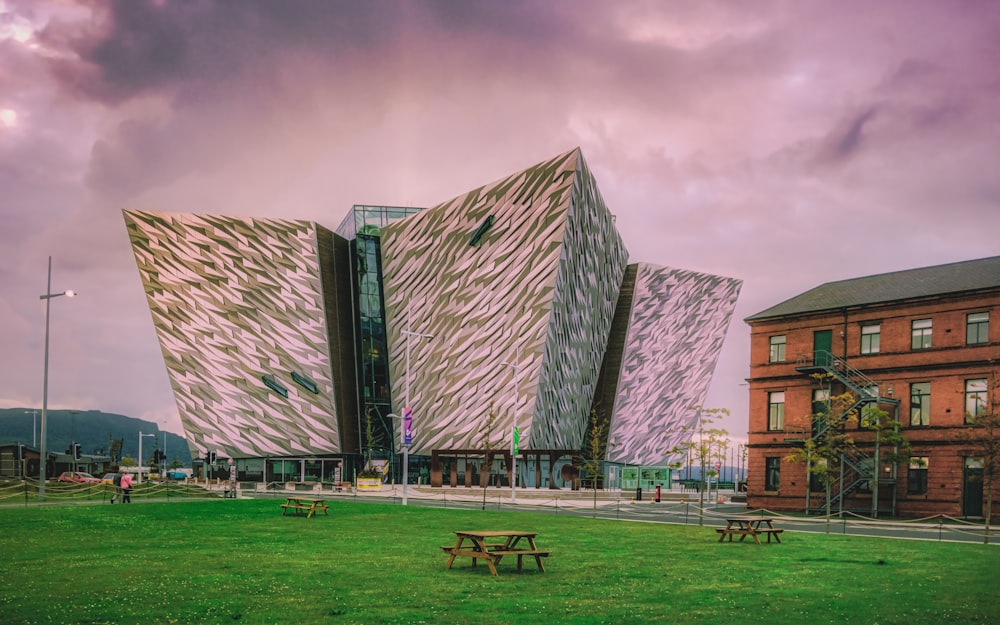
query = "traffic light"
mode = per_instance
[
  {"x": 76, "y": 451},
  {"x": 211, "y": 457}
]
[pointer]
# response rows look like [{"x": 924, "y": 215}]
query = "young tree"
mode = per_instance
[
  {"x": 830, "y": 440},
  {"x": 595, "y": 448},
  {"x": 703, "y": 442},
  {"x": 489, "y": 445},
  {"x": 891, "y": 447},
  {"x": 827, "y": 441},
  {"x": 984, "y": 436},
  {"x": 371, "y": 440}
]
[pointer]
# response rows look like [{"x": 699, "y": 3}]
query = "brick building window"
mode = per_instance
[
  {"x": 975, "y": 399},
  {"x": 777, "y": 349},
  {"x": 977, "y": 328},
  {"x": 772, "y": 473},
  {"x": 916, "y": 477},
  {"x": 820, "y": 409},
  {"x": 920, "y": 403},
  {"x": 776, "y": 410},
  {"x": 871, "y": 338},
  {"x": 920, "y": 333}
]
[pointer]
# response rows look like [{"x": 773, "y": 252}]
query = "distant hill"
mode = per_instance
[{"x": 93, "y": 429}]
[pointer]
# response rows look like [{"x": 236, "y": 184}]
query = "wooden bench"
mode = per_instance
[
  {"x": 473, "y": 545},
  {"x": 743, "y": 533},
  {"x": 309, "y": 507},
  {"x": 496, "y": 552}
]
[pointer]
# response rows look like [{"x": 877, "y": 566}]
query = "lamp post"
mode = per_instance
[
  {"x": 34, "y": 426},
  {"x": 72, "y": 439},
  {"x": 141, "y": 435},
  {"x": 45, "y": 380},
  {"x": 516, "y": 366},
  {"x": 406, "y": 453},
  {"x": 406, "y": 400}
]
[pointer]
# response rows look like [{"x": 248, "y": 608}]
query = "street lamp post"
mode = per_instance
[
  {"x": 34, "y": 426},
  {"x": 141, "y": 435},
  {"x": 406, "y": 453},
  {"x": 45, "y": 380},
  {"x": 408, "y": 332},
  {"x": 516, "y": 366}
]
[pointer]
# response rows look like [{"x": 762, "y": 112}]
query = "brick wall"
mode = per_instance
[{"x": 946, "y": 365}]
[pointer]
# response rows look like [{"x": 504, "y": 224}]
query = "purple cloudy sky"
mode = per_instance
[{"x": 785, "y": 143}]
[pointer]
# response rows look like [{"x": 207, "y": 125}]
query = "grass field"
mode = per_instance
[{"x": 242, "y": 562}]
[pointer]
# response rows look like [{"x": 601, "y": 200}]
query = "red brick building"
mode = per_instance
[{"x": 922, "y": 345}]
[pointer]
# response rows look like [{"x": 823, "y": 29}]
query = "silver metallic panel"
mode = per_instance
[
  {"x": 675, "y": 332},
  {"x": 233, "y": 300},
  {"x": 533, "y": 297}
]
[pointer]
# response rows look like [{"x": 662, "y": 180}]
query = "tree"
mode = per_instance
[
  {"x": 887, "y": 434},
  {"x": 594, "y": 450},
  {"x": 371, "y": 439},
  {"x": 984, "y": 436},
  {"x": 489, "y": 445},
  {"x": 829, "y": 440},
  {"x": 708, "y": 439}
]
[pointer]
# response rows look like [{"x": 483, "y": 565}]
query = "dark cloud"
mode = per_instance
[
  {"x": 147, "y": 45},
  {"x": 845, "y": 140},
  {"x": 719, "y": 133}
]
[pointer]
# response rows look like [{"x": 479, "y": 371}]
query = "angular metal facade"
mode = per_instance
[
  {"x": 536, "y": 291},
  {"x": 523, "y": 285},
  {"x": 234, "y": 300},
  {"x": 676, "y": 322}
]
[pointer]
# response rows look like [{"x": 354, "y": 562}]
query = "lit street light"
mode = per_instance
[{"x": 45, "y": 380}]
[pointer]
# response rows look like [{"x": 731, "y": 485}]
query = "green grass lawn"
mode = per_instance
[{"x": 242, "y": 562}]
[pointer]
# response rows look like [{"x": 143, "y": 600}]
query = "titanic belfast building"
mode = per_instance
[{"x": 292, "y": 347}]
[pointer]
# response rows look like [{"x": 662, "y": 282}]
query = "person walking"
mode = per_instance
[
  {"x": 118, "y": 486},
  {"x": 126, "y": 488}
]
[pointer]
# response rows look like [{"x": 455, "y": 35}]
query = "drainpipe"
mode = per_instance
[
  {"x": 877, "y": 469},
  {"x": 843, "y": 338}
]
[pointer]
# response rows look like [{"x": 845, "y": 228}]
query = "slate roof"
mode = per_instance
[{"x": 969, "y": 275}]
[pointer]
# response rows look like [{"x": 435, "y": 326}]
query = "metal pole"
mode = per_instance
[
  {"x": 45, "y": 389},
  {"x": 43, "y": 452},
  {"x": 406, "y": 400},
  {"x": 34, "y": 427},
  {"x": 516, "y": 366},
  {"x": 139, "y": 463},
  {"x": 140, "y": 453}
]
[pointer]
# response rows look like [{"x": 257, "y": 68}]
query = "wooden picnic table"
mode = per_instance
[
  {"x": 307, "y": 506},
  {"x": 473, "y": 544},
  {"x": 752, "y": 526}
]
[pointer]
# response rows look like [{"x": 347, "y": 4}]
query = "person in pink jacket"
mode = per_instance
[{"x": 127, "y": 488}]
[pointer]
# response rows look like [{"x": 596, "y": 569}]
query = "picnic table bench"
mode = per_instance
[
  {"x": 304, "y": 506},
  {"x": 472, "y": 544},
  {"x": 753, "y": 527}
]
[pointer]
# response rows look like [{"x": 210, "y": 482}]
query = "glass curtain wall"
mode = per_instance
[{"x": 362, "y": 227}]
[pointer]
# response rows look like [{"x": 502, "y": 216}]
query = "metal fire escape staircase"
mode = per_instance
[{"x": 859, "y": 466}]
